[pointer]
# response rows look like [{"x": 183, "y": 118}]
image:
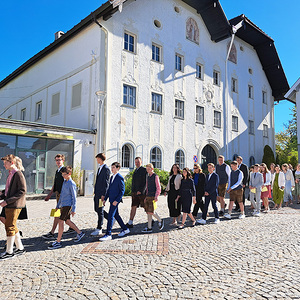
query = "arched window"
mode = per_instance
[
  {"x": 155, "y": 157},
  {"x": 127, "y": 156},
  {"x": 180, "y": 158},
  {"x": 192, "y": 30},
  {"x": 251, "y": 161}
]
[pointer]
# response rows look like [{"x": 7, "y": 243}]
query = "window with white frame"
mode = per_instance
[
  {"x": 38, "y": 111},
  {"x": 180, "y": 159},
  {"x": 216, "y": 77},
  {"x": 126, "y": 156},
  {"x": 55, "y": 104},
  {"x": 156, "y": 105},
  {"x": 156, "y": 157},
  {"x": 217, "y": 119},
  {"x": 76, "y": 95},
  {"x": 129, "y": 95},
  {"x": 265, "y": 130},
  {"x": 234, "y": 85},
  {"x": 200, "y": 114},
  {"x": 129, "y": 42},
  {"x": 199, "y": 71},
  {"x": 264, "y": 97},
  {"x": 23, "y": 114},
  {"x": 156, "y": 53},
  {"x": 250, "y": 92},
  {"x": 179, "y": 109},
  {"x": 251, "y": 127},
  {"x": 179, "y": 62},
  {"x": 235, "y": 123}
]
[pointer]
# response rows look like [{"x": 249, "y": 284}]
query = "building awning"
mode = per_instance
[{"x": 267, "y": 53}]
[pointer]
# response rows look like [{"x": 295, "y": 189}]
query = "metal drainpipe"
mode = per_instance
[
  {"x": 235, "y": 28},
  {"x": 102, "y": 144},
  {"x": 226, "y": 108}
]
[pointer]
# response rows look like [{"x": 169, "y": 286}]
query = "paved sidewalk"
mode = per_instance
[{"x": 254, "y": 258}]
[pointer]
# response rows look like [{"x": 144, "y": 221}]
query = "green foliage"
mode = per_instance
[
  {"x": 268, "y": 157},
  {"x": 163, "y": 177},
  {"x": 77, "y": 175},
  {"x": 286, "y": 141}
]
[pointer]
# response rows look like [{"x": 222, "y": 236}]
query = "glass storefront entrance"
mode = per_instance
[{"x": 37, "y": 155}]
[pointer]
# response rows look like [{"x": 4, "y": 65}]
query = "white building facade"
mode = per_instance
[{"x": 165, "y": 89}]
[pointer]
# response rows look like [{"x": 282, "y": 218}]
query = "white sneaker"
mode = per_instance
[
  {"x": 217, "y": 221},
  {"x": 257, "y": 214},
  {"x": 201, "y": 221},
  {"x": 96, "y": 232},
  {"x": 242, "y": 216},
  {"x": 105, "y": 238},
  {"x": 227, "y": 216},
  {"x": 124, "y": 232},
  {"x": 254, "y": 212}
]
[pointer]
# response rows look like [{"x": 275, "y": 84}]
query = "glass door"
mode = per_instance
[{"x": 34, "y": 162}]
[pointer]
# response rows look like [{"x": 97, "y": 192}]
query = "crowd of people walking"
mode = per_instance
[{"x": 186, "y": 193}]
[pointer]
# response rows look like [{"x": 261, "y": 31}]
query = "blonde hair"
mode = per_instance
[
  {"x": 150, "y": 166},
  {"x": 19, "y": 163}
]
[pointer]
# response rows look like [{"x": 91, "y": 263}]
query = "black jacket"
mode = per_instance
[
  {"x": 200, "y": 187},
  {"x": 139, "y": 180}
]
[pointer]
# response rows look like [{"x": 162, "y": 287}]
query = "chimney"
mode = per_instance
[{"x": 58, "y": 34}]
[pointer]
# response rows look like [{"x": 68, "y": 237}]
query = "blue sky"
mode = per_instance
[{"x": 29, "y": 26}]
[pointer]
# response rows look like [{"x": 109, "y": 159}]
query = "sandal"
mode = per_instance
[
  {"x": 180, "y": 226},
  {"x": 193, "y": 224}
]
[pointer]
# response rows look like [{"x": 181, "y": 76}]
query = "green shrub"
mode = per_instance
[
  {"x": 268, "y": 157},
  {"x": 163, "y": 177}
]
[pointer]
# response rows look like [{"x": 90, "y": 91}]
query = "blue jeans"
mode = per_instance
[
  {"x": 114, "y": 213},
  {"x": 213, "y": 199}
]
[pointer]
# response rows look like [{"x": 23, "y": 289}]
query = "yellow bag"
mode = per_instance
[
  {"x": 253, "y": 190},
  {"x": 55, "y": 213},
  {"x": 154, "y": 205},
  {"x": 264, "y": 189},
  {"x": 100, "y": 203}
]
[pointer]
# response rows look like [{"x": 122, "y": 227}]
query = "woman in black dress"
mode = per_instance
[
  {"x": 199, "y": 181},
  {"x": 173, "y": 190},
  {"x": 186, "y": 196}
]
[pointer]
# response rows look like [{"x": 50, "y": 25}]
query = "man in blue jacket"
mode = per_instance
[
  {"x": 211, "y": 193},
  {"x": 101, "y": 186},
  {"x": 115, "y": 193}
]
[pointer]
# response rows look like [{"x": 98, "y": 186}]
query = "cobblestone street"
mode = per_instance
[{"x": 254, "y": 258}]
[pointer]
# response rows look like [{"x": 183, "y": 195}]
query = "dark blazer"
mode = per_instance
[
  {"x": 16, "y": 194},
  {"x": 139, "y": 180},
  {"x": 245, "y": 171},
  {"x": 211, "y": 185},
  {"x": 116, "y": 189},
  {"x": 102, "y": 182},
  {"x": 200, "y": 185}
]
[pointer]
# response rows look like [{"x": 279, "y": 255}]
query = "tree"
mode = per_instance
[
  {"x": 286, "y": 141},
  {"x": 268, "y": 157}
]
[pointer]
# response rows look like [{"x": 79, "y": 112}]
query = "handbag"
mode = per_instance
[
  {"x": 55, "y": 213},
  {"x": 264, "y": 189}
]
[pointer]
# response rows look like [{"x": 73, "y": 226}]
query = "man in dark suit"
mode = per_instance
[
  {"x": 244, "y": 168},
  {"x": 115, "y": 193},
  {"x": 211, "y": 193},
  {"x": 138, "y": 189},
  {"x": 101, "y": 186}
]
